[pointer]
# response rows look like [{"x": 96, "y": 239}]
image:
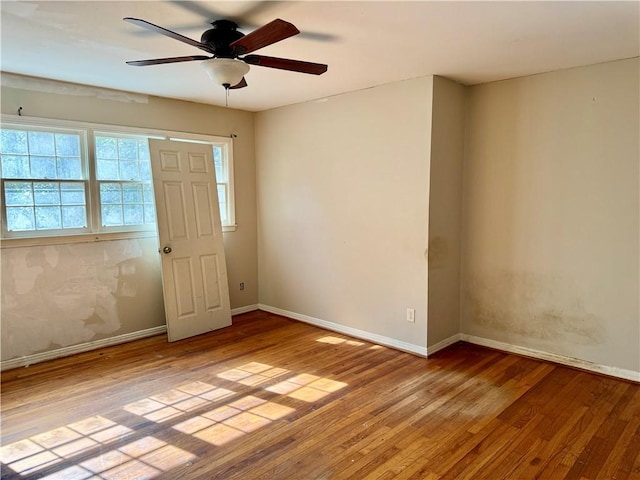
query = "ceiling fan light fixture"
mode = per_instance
[{"x": 225, "y": 71}]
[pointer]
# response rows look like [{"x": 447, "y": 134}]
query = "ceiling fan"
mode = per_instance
[{"x": 230, "y": 50}]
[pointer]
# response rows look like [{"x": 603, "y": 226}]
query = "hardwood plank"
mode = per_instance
[{"x": 274, "y": 398}]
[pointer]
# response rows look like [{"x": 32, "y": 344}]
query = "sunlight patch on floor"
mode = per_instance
[
  {"x": 337, "y": 340},
  {"x": 144, "y": 458},
  {"x": 228, "y": 422},
  {"x": 149, "y": 457},
  {"x": 174, "y": 403},
  {"x": 306, "y": 387},
  {"x": 253, "y": 373}
]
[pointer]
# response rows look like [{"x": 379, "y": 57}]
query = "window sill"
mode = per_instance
[
  {"x": 85, "y": 238},
  {"x": 67, "y": 239}
]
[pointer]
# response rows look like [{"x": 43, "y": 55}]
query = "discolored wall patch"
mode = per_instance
[
  {"x": 438, "y": 253},
  {"x": 532, "y": 305},
  {"x": 62, "y": 295}
]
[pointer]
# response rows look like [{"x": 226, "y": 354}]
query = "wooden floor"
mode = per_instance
[{"x": 271, "y": 398}]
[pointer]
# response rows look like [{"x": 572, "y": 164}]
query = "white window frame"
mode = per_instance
[
  {"x": 83, "y": 140},
  {"x": 94, "y": 231},
  {"x": 227, "y": 147}
]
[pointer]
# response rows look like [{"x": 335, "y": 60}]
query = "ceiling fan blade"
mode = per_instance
[
  {"x": 286, "y": 64},
  {"x": 169, "y": 33},
  {"x": 158, "y": 61},
  {"x": 244, "y": 17},
  {"x": 270, "y": 33},
  {"x": 241, "y": 84}
]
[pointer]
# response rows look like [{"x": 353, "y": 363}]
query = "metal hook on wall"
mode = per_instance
[{"x": 20, "y": 111}]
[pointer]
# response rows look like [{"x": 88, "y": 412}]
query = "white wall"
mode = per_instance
[
  {"x": 550, "y": 215},
  {"x": 62, "y": 295},
  {"x": 343, "y": 187},
  {"x": 445, "y": 210}
]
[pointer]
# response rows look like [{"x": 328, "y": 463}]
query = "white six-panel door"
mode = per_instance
[{"x": 194, "y": 273}]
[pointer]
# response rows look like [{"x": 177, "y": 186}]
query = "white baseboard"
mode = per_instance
[
  {"x": 245, "y": 309},
  {"x": 27, "y": 360},
  {"x": 418, "y": 350},
  {"x": 552, "y": 357},
  {"x": 443, "y": 344},
  {"x": 335, "y": 327},
  {"x": 352, "y": 332}
]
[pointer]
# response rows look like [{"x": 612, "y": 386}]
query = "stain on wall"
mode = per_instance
[
  {"x": 438, "y": 253},
  {"x": 61, "y": 295},
  {"x": 533, "y": 305}
]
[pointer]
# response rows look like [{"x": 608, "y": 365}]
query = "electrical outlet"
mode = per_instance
[
  {"x": 411, "y": 315},
  {"x": 241, "y": 285}
]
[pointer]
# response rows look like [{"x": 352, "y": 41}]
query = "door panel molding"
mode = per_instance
[{"x": 194, "y": 273}]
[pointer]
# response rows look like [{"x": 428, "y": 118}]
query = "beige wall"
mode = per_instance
[
  {"x": 343, "y": 187},
  {"x": 95, "y": 276},
  {"x": 445, "y": 209},
  {"x": 550, "y": 214},
  {"x": 350, "y": 188}
]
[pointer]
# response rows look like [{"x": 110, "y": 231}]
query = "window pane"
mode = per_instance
[
  {"x": 72, "y": 193},
  {"x": 18, "y": 193},
  {"x": 108, "y": 170},
  {"x": 48, "y": 218},
  {"x": 129, "y": 171},
  {"x": 67, "y": 145},
  {"x": 222, "y": 193},
  {"x": 110, "y": 193},
  {"x": 47, "y": 198},
  {"x": 143, "y": 150},
  {"x": 149, "y": 213},
  {"x": 126, "y": 159},
  {"x": 45, "y": 155},
  {"x": 41, "y": 143},
  {"x": 14, "y": 166},
  {"x": 217, "y": 160},
  {"x": 132, "y": 193},
  {"x": 111, "y": 215},
  {"x": 46, "y": 193},
  {"x": 13, "y": 141},
  {"x": 133, "y": 215},
  {"x": 127, "y": 149},
  {"x": 43, "y": 167},
  {"x": 74, "y": 217},
  {"x": 20, "y": 219},
  {"x": 222, "y": 201},
  {"x": 124, "y": 204},
  {"x": 106, "y": 148},
  {"x": 147, "y": 189},
  {"x": 145, "y": 171},
  {"x": 70, "y": 168}
]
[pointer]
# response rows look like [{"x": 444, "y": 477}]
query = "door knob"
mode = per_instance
[{"x": 167, "y": 249}]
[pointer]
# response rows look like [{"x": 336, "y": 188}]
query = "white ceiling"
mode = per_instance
[{"x": 364, "y": 43}]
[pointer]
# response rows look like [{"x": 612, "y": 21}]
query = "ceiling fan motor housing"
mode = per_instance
[
  {"x": 223, "y": 33},
  {"x": 227, "y": 44}
]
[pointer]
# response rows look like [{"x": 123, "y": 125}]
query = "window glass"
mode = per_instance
[
  {"x": 45, "y": 205},
  {"x": 222, "y": 201},
  {"x": 51, "y": 184},
  {"x": 125, "y": 162},
  {"x": 42, "y": 180}
]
